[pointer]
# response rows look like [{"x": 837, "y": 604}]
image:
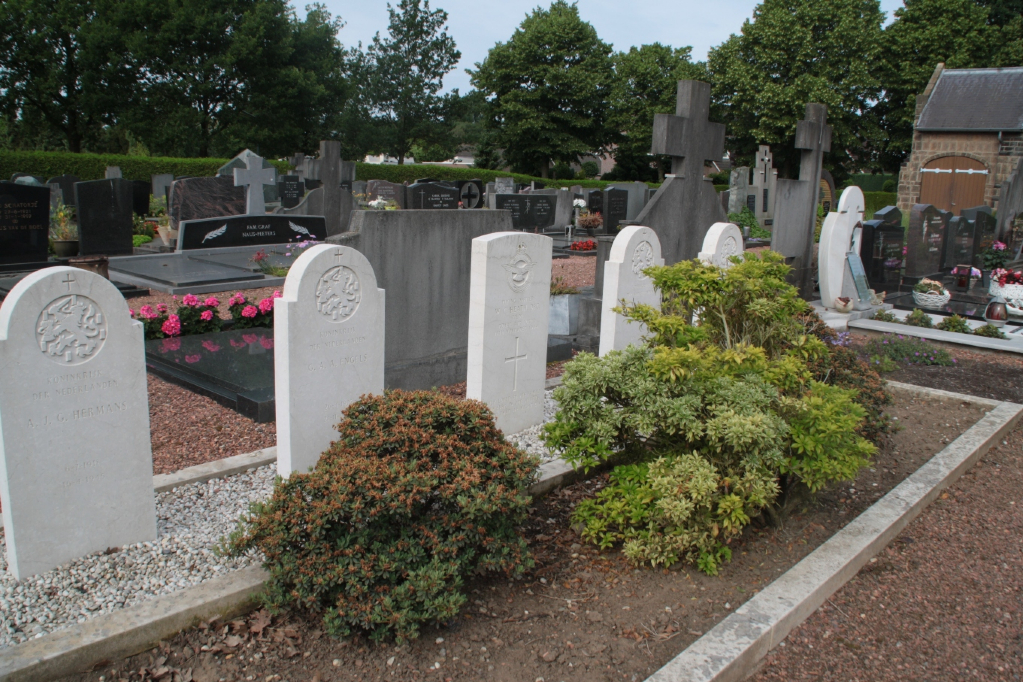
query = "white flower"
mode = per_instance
[
  {"x": 378, "y": 203},
  {"x": 579, "y": 203}
]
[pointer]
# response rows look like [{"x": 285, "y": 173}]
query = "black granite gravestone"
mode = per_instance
[
  {"x": 24, "y": 224},
  {"x": 595, "y": 201},
  {"x": 291, "y": 189},
  {"x": 470, "y": 193},
  {"x": 529, "y": 211},
  {"x": 433, "y": 195},
  {"x": 104, "y": 209},
  {"x": 984, "y": 228},
  {"x": 925, "y": 243},
  {"x": 616, "y": 208},
  {"x": 250, "y": 230},
  {"x": 959, "y": 243},
  {"x": 389, "y": 191},
  {"x": 542, "y": 209},
  {"x": 516, "y": 203},
  {"x": 881, "y": 250},
  {"x": 140, "y": 192},
  {"x": 889, "y": 215}
]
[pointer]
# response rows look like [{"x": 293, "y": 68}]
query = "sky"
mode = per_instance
[{"x": 476, "y": 25}]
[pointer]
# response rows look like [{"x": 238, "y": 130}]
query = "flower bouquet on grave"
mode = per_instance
[
  {"x": 199, "y": 317},
  {"x": 590, "y": 222},
  {"x": 248, "y": 314},
  {"x": 930, "y": 294},
  {"x": 1009, "y": 285},
  {"x": 585, "y": 245}
]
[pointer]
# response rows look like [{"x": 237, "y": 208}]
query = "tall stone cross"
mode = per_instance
[
  {"x": 252, "y": 178},
  {"x": 330, "y": 176},
  {"x": 764, "y": 165},
  {"x": 688, "y": 136}
]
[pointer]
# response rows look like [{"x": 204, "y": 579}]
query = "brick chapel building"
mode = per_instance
[{"x": 967, "y": 138}]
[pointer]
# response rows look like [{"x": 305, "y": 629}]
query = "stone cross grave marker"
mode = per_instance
[
  {"x": 67, "y": 187},
  {"x": 509, "y": 299},
  {"x": 328, "y": 349},
  {"x": 252, "y": 178},
  {"x": 635, "y": 248},
  {"x": 76, "y": 470},
  {"x": 765, "y": 179},
  {"x": 795, "y": 209},
  {"x": 840, "y": 238},
  {"x": 723, "y": 241}
]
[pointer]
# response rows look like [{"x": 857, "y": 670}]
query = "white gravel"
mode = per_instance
[{"x": 191, "y": 522}]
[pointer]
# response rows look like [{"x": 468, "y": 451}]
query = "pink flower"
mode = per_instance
[
  {"x": 210, "y": 345},
  {"x": 249, "y": 338},
  {"x": 238, "y": 344},
  {"x": 171, "y": 326},
  {"x": 192, "y": 359},
  {"x": 277, "y": 294},
  {"x": 131, "y": 312},
  {"x": 266, "y": 342},
  {"x": 237, "y": 299},
  {"x": 170, "y": 345},
  {"x": 266, "y": 305},
  {"x": 249, "y": 311},
  {"x": 212, "y": 302},
  {"x": 161, "y": 307},
  {"x": 206, "y": 316},
  {"x": 190, "y": 300},
  {"x": 998, "y": 246}
]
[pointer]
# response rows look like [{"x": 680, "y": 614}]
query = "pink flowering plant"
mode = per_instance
[
  {"x": 247, "y": 314},
  {"x": 995, "y": 256},
  {"x": 199, "y": 315}
]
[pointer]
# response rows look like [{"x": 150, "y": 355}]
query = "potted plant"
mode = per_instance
[
  {"x": 564, "y": 308},
  {"x": 590, "y": 222},
  {"x": 930, "y": 294},
  {"x": 63, "y": 231},
  {"x": 1009, "y": 285},
  {"x": 843, "y": 304},
  {"x": 994, "y": 257}
]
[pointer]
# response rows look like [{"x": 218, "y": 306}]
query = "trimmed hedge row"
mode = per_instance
[
  {"x": 870, "y": 182},
  {"x": 874, "y": 201}
]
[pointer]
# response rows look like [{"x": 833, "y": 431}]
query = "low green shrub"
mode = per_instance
[
  {"x": 990, "y": 331},
  {"x": 919, "y": 318},
  {"x": 419, "y": 493},
  {"x": 906, "y": 350},
  {"x": 140, "y": 239},
  {"x": 882, "y": 315},
  {"x": 746, "y": 218},
  {"x": 955, "y": 323}
]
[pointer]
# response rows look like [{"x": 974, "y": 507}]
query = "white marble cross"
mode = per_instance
[{"x": 252, "y": 178}]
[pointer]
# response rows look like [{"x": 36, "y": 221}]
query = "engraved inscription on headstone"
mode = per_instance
[{"x": 24, "y": 223}]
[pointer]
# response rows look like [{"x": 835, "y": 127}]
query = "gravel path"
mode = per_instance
[
  {"x": 944, "y": 601},
  {"x": 578, "y": 271}
]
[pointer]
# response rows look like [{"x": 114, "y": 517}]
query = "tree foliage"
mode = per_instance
[{"x": 548, "y": 89}]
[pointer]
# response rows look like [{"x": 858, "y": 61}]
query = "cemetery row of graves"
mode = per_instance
[{"x": 705, "y": 392}]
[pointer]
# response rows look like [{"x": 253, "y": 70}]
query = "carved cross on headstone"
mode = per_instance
[
  {"x": 688, "y": 137},
  {"x": 252, "y": 178},
  {"x": 765, "y": 164}
]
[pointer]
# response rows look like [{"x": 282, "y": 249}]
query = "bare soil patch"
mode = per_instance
[{"x": 579, "y": 615}]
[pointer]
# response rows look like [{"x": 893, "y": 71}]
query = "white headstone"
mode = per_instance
[
  {"x": 252, "y": 178},
  {"x": 509, "y": 299},
  {"x": 840, "y": 235},
  {"x": 723, "y": 241},
  {"x": 634, "y": 249},
  {"x": 328, "y": 349},
  {"x": 76, "y": 469}
]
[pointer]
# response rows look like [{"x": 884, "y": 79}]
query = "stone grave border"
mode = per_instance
[
  {"x": 870, "y": 327},
  {"x": 729, "y": 651},
  {"x": 733, "y": 648}
]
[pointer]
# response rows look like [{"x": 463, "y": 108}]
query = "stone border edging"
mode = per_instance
[
  {"x": 1011, "y": 345},
  {"x": 731, "y": 650}
]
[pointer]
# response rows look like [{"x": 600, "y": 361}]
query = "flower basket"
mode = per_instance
[
  {"x": 1010, "y": 292},
  {"x": 931, "y": 299}
]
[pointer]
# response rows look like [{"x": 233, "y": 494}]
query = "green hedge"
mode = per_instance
[
  {"x": 877, "y": 200},
  {"x": 869, "y": 182}
]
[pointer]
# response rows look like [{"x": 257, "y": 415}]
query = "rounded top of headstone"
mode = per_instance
[
  {"x": 852, "y": 201},
  {"x": 334, "y": 278},
  {"x": 639, "y": 243},
  {"x": 723, "y": 241}
]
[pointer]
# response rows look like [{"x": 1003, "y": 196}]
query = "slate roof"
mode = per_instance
[{"x": 975, "y": 100}]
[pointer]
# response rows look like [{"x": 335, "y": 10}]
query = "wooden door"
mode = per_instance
[{"x": 952, "y": 183}]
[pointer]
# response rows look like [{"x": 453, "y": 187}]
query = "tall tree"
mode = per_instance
[
  {"x": 924, "y": 33},
  {"x": 408, "y": 69},
  {"x": 791, "y": 53},
  {"x": 548, "y": 88},
  {"x": 646, "y": 83}
]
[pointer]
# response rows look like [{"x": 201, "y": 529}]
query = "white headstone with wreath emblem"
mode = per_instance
[
  {"x": 634, "y": 249},
  {"x": 328, "y": 349},
  {"x": 723, "y": 241},
  {"x": 76, "y": 469},
  {"x": 509, "y": 303}
]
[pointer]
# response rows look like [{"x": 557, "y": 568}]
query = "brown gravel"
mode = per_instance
[
  {"x": 578, "y": 271},
  {"x": 188, "y": 429},
  {"x": 944, "y": 601},
  {"x": 172, "y": 301}
]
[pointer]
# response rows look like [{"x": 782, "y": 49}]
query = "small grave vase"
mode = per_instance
[
  {"x": 65, "y": 248},
  {"x": 996, "y": 313}
]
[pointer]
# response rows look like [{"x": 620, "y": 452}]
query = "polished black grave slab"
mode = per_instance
[
  {"x": 962, "y": 304},
  {"x": 177, "y": 270}
]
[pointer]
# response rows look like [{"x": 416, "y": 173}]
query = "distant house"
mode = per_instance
[{"x": 967, "y": 138}]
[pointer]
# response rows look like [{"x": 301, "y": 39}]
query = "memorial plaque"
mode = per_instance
[
  {"x": 24, "y": 223},
  {"x": 291, "y": 189},
  {"x": 504, "y": 186},
  {"x": 751, "y": 202},
  {"x": 250, "y": 230},
  {"x": 430, "y": 195}
]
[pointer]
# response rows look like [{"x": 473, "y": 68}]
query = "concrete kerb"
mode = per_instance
[
  {"x": 132, "y": 630},
  {"x": 730, "y": 651},
  {"x": 1013, "y": 345}
]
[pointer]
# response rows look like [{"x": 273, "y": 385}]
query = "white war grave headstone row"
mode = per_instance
[
  {"x": 328, "y": 349},
  {"x": 509, "y": 303},
  {"x": 76, "y": 469},
  {"x": 635, "y": 248}
]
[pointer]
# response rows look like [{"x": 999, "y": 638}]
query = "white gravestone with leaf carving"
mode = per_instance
[
  {"x": 840, "y": 235},
  {"x": 328, "y": 349},
  {"x": 723, "y": 241},
  {"x": 509, "y": 299},
  {"x": 76, "y": 469},
  {"x": 635, "y": 248}
]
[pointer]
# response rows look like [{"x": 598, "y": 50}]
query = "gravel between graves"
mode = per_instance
[{"x": 578, "y": 271}]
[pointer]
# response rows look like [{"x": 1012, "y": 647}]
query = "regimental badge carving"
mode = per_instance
[
  {"x": 642, "y": 258},
  {"x": 518, "y": 269},
  {"x": 71, "y": 329},
  {"x": 729, "y": 247},
  {"x": 338, "y": 293}
]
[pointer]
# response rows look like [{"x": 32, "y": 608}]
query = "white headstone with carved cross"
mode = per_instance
[
  {"x": 328, "y": 349},
  {"x": 509, "y": 302},
  {"x": 252, "y": 178},
  {"x": 723, "y": 241},
  {"x": 635, "y": 249},
  {"x": 76, "y": 469}
]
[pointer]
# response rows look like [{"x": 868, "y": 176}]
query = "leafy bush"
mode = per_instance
[
  {"x": 590, "y": 169},
  {"x": 140, "y": 239},
  {"x": 890, "y": 186},
  {"x": 563, "y": 171},
  {"x": 990, "y": 331},
  {"x": 247, "y": 314},
  {"x": 418, "y": 493},
  {"x": 882, "y": 315},
  {"x": 193, "y": 316},
  {"x": 907, "y": 350},
  {"x": 746, "y": 218},
  {"x": 919, "y": 318},
  {"x": 954, "y": 323}
]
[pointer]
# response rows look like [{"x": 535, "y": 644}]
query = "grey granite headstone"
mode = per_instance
[
  {"x": 504, "y": 185},
  {"x": 389, "y": 191},
  {"x": 113, "y": 173},
  {"x": 161, "y": 183},
  {"x": 104, "y": 209}
]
